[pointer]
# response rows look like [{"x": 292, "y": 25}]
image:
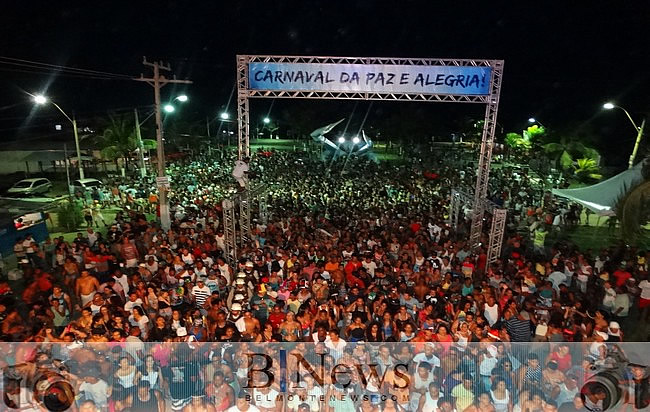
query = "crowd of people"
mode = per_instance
[{"x": 354, "y": 254}]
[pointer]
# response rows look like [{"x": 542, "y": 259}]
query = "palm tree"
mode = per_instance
[
  {"x": 633, "y": 209},
  {"x": 587, "y": 169},
  {"x": 119, "y": 139},
  {"x": 567, "y": 149}
]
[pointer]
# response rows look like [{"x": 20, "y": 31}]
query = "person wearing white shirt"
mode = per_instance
[
  {"x": 95, "y": 389},
  {"x": 370, "y": 266},
  {"x": 92, "y": 236},
  {"x": 336, "y": 345},
  {"x": 428, "y": 356},
  {"x": 134, "y": 301},
  {"x": 557, "y": 278},
  {"x": 609, "y": 298},
  {"x": 621, "y": 306},
  {"x": 123, "y": 281},
  {"x": 240, "y": 171},
  {"x": 644, "y": 299}
]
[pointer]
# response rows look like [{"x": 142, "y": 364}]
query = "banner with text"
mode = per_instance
[{"x": 370, "y": 78}]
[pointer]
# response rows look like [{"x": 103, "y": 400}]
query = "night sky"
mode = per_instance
[{"x": 562, "y": 59}]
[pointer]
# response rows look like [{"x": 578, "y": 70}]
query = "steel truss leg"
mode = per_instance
[
  {"x": 242, "y": 107},
  {"x": 244, "y": 218},
  {"x": 229, "y": 231},
  {"x": 485, "y": 157},
  {"x": 497, "y": 231}
]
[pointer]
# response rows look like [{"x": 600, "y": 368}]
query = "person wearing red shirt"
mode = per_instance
[
  {"x": 276, "y": 317},
  {"x": 481, "y": 262},
  {"x": 350, "y": 268},
  {"x": 622, "y": 275},
  {"x": 415, "y": 227}
]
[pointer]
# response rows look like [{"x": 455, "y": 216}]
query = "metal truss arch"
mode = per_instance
[{"x": 491, "y": 100}]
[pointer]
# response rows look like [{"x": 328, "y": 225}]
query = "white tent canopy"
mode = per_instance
[{"x": 601, "y": 198}]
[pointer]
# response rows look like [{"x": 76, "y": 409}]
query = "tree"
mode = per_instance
[
  {"x": 567, "y": 150},
  {"x": 119, "y": 139},
  {"x": 517, "y": 142},
  {"x": 534, "y": 133},
  {"x": 69, "y": 215},
  {"x": 633, "y": 209},
  {"x": 586, "y": 169}
]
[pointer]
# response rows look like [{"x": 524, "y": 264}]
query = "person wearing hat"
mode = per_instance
[
  {"x": 240, "y": 288},
  {"x": 614, "y": 333},
  {"x": 235, "y": 312}
]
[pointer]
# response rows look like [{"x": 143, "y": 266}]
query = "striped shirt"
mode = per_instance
[
  {"x": 201, "y": 294},
  {"x": 519, "y": 330}
]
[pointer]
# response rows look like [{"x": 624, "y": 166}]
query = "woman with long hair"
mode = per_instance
[
  {"x": 374, "y": 333},
  {"x": 151, "y": 373},
  {"x": 356, "y": 331},
  {"x": 389, "y": 328},
  {"x": 126, "y": 375},
  {"x": 290, "y": 329}
]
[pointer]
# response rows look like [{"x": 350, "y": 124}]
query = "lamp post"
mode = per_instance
[
  {"x": 639, "y": 130},
  {"x": 532, "y": 120},
  {"x": 41, "y": 100},
  {"x": 165, "y": 219}
]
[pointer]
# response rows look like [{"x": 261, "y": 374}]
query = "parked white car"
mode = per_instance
[
  {"x": 81, "y": 185},
  {"x": 28, "y": 187}
]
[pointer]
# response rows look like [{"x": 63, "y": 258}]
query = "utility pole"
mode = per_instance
[
  {"x": 158, "y": 81},
  {"x": 76, "y": 142},
  {"x": 67, "y": 169},
  {"x": 143, "y": 168},
  {"x": 639, "y": 136}
]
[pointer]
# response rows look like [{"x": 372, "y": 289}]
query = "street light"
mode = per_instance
[
  {"x": 162, "y": 180},
  {"x": 182, "y": 98},
  {"x": 532, "y": 120},
  {"x": 41, "y": 100},
  {"x": 267, "y": 120},
  {"x": 639, "y": 130},
  {"x": 341, "y": 140},
  {"x": 224, "y": 116},
  {"x": 356, "y": 140}
]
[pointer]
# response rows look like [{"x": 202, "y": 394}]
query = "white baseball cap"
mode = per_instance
[{"x": 235, "y": 306}]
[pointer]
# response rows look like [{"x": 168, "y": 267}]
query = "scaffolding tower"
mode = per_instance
[
  {"x": 459, "y": 198},
  {"x": 242, "y": 202},
  {"x": 230, "y": 241}
]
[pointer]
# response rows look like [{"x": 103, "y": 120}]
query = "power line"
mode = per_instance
[
  {"x": 35, "y": 64},
  {"x": 36, "y": 72},
  {"x": 86, "y": 115}
]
